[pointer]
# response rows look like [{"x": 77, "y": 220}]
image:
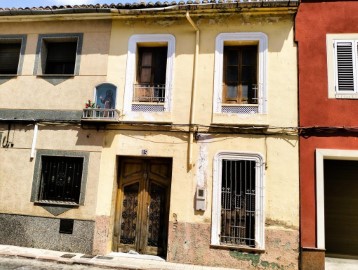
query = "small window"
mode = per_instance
[
  {"x": 240, "y": 75},
  {"x": 58, "y": 54},
  {"x": 151, "y": 71},
  {"x": 12, "y": 49},
  {"x": 61, "y": 57},
  {"x": 238, "y": 201},
  {"x": 60, "y": 179}
]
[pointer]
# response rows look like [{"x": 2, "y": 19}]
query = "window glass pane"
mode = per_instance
[
  {"x": 231, "y": 92},
  {"x": 9, "y": 57},
  {"x": 232, "y": 57},
  {"x": 232, "y": 74},
  {"x": 60, "y": 58},
  {"x": 248, "y": 75},
  {"x": 245, "y": 92},
  {"x": 249, "y": 55}
]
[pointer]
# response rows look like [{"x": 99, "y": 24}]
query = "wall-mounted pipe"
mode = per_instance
[
  {"x": 34, "y": 140},
  {"x": 193, "y": 92}
]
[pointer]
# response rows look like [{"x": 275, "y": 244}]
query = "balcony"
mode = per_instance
[
  {"x": 148, "y": 97},
  {"x": 100, "y": 115}
]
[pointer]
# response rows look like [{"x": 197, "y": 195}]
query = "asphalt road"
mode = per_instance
[{"x": 15, "y": 263}]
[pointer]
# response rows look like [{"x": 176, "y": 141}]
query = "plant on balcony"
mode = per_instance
[{"x": 90, "y": 105}]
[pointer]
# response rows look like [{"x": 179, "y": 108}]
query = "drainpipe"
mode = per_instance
[
  {"x": 193, "y": 92},
  {"x": 34, "y": 140}
]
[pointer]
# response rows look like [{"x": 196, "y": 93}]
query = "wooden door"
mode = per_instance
[{"x": 143, "y": 205}]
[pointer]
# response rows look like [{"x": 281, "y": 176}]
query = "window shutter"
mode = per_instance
[
  {"x": 146, "y": 67},
  {"x": 345, "y": 79}
]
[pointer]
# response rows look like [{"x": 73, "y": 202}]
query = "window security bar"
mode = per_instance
[
  {"x": 238, "y": 203},
  {"x": 149, "y": 93}
]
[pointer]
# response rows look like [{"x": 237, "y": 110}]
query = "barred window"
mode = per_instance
[
  {"x": 60, "y": 179},
  {"x": 238, "y": 201}
]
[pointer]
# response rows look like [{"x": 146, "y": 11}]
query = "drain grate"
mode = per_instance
[
  {"x": 104, "y": 257},
  {"x": 68, "y": 256},
  {"x": 88, "y": 256}
]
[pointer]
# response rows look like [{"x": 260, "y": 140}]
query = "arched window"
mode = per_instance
[{"x": 105, "y": 96}]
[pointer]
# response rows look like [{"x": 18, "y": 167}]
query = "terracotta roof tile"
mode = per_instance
[{"x": 142, "y": 5}]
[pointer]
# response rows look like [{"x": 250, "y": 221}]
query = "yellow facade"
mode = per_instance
[{"x": 190, "y": 134}]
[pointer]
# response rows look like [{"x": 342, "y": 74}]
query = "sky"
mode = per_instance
[{"x": 37, "y": 3}]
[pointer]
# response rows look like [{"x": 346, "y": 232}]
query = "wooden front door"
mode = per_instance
[{"x": 143, "y": 205}]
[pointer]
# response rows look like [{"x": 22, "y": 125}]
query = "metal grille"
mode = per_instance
[
  {"x": 147, "y": 108},
  {"x": 129, "y": 214},
  {"x": 156, "y": 215},
  {"x": 149, "y": 93},
  {"x": 240, "y": 109},
  {"x": 238, "y": 202},
  {"x": 61, "y": 178}
]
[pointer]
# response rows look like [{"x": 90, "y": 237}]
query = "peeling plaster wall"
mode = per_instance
[{"x": 190, "y": 243}]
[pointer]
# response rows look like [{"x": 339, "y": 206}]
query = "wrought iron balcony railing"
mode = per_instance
[
  {"x": 99, "y": 114},
  {"x": 154, "y": 93}
]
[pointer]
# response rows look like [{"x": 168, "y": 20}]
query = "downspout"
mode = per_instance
[
  {"x": 193, "y": 92},
  {"x": 34, "y": 140}
]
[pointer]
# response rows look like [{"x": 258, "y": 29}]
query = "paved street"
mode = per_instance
[{"x": 16, "y": 263}]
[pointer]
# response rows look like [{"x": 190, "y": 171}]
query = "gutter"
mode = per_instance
[
  {"x": 193, "y": 92},
  {"x": 131, "y": 11}
]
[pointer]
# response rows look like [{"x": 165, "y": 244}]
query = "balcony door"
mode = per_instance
[{"x": 143, "y": 206}]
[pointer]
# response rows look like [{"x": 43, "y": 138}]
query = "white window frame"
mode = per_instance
[
  {"x": 332, "y": 66},
  {"x": 132, "y": 67},
  {"x": 262, "y": 40},
  {"x": 259, "y": 203},
  {"x": 321, "y": 155}
]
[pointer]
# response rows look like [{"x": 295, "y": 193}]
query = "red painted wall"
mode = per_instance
[{"x": 313, "y": 21}]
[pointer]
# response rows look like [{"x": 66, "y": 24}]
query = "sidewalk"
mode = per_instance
[{"x": 115, "y": 260}]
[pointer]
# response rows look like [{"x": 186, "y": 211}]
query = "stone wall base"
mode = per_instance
[
  {"x": 190, "y": 243},
  {"x": 312, "y": 259},
  {"x": 41, "y": 232}
]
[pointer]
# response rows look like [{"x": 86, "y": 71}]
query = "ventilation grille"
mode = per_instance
[
  {"x": 147, "y": 108},
  {"x": 240, "y": 109}
]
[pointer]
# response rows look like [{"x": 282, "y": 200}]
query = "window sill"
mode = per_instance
[
  {"x": 238, "y": 248},
  {"x": 57, "y": 203},
  {"x": 8, "y": 75},
  {"x": 56, "y": 75},
  {"x": 239, "y": 105},
  {"x": 346, "y": 96}
]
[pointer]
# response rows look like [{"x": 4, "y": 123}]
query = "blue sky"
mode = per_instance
[{"x": 37, "y": 3}]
